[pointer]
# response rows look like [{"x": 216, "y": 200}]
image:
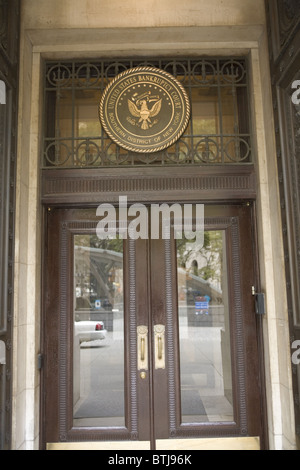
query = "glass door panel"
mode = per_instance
[
  {"x": 98, "y": 345},
  {"x": 204, "y": 331}
]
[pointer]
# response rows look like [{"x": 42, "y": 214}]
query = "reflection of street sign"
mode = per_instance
[
  {"x": 202, "y": 305},
  {"x": 97, "y": 304}
]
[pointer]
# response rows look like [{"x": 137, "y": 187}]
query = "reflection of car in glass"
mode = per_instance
[{"x": 89, "y": 330}]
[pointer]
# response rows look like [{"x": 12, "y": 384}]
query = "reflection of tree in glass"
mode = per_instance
[
  {"x": 94, "y": 242},
  {"x": 99, "y": 267},
  {"x": 208, "y": 258},
  {"x": 212, "y": 252}
]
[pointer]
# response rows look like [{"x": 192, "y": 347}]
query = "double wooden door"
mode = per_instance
[{"x": 152, "y": 342}]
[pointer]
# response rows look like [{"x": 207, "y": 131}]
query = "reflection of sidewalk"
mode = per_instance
[
  {"x": 202, "y": 381},
  {"x": 189, "y": 315},
  {"x": 102, "y": 381}
]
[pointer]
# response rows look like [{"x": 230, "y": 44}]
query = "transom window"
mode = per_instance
[{"x": 218, "y": 131}]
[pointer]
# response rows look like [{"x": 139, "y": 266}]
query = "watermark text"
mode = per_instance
[{"x": 156, "y": 221}]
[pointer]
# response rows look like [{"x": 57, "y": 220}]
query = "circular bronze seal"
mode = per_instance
[{"x": 144, "y": 110}]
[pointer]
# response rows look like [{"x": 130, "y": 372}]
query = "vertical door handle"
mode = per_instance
[
  {"x": 159, "y": 344},
  {"x": 160, "y": 348},
  {"x": 142, "y": 349}
]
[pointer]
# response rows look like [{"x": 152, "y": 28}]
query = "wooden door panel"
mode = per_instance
[
  {"x": 138, "y": 298},
  {"x": 234, "y": 222},
  {"x": 58, "y": 374},
  {"x": 158, "y": 317}
]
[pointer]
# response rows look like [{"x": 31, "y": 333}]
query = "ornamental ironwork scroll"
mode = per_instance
[{"x": 216, "y": 89}]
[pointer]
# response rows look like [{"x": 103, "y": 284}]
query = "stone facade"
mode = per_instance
[{"x": 89, "y": 28}]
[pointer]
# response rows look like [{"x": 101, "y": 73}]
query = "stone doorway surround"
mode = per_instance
[{"x": 60, "y": 30}]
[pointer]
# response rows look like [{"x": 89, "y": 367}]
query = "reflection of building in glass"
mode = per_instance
[
  {"x": 200, "y": 273},
  {"x": 98, "y": 278}
]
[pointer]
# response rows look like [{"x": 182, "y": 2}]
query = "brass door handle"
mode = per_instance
[
  {"x": 159, "y": 344},
  {"x": 159, "y": 352},
  {"x": 142, "y": 347}
]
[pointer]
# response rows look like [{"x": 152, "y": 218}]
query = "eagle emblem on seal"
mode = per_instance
[{"x": 139, "y": 108}]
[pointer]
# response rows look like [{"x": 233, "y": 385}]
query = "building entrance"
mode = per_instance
[{"x": 150, "y": 343}]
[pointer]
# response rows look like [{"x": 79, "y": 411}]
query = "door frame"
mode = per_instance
[
  {"x": 9, "y": 74},
  {"x": 239, "y": 188}
]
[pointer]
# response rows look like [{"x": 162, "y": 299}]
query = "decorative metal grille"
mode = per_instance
[{"x": 218, "y": 132}]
